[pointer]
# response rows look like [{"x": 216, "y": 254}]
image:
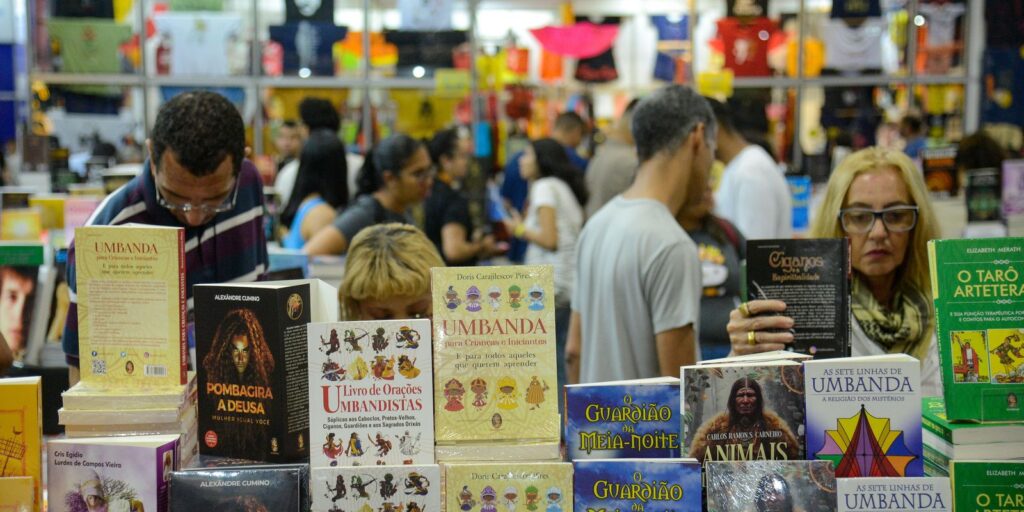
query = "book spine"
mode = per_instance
[
  {"x": 934, "y": 427},
  {"x": 935, "y": 457},
  {"x": 182, "y": 308}
]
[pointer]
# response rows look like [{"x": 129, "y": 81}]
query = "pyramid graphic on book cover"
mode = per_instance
[{"x": 863, "y": 445}]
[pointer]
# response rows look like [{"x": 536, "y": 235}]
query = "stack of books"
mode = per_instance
[
  {"x": 946, "y": 441},
  {"x": 20, "y": 444}
]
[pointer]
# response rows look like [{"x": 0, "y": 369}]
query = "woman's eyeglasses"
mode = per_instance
[{"x": 897, "y": 219}]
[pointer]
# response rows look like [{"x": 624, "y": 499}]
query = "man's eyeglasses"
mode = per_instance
[
  {"x": 897, "y": 219},
  {"x": 225, "y": 205}
]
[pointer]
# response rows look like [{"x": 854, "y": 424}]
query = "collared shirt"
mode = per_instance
[{"x": 232, "y": 247}]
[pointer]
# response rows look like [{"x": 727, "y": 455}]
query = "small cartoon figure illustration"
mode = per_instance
[
  {"x": 451, "y": 298},
  {"x": 339, "y": 489},
  {"x": 355, "y": 447},
  {"x": 554, "y": 500},
  {"x": 407, "y": 338},
  {"x": 970, "y": 365},
  {"x": 412, "y": 506},
  {"x": 488, "y": 500},
  {"x": 332, "y": 371},
  {"x": 407, "y": 367},
  {"x": 379, "y": 340},
  {"x": 352, "y": 340},
  {"x": 383, "y": 445},
  {"x": 387, "y": 506},
  {"x": 473, "y": 299},
  {"x": 358, "y": 370},
  {"x": 496, "y": 421},
  {"x": 417, "y": 484},
  {"x": 333, "y": 449},
  {"x": 479, "y": 388},
  {"x": 532, "y": 498},
  {"x": 494, "y": 297},
  {"x": 388, "y": 487},
  {"x": 536, "y": 298},
  {"x": 360, "y": 487},
  {"x": 333, "y": 344},
  {"x": 466, "y": 502},
  {"x": 1011, "y": 401},
  {"x": 453, "y": 392},
  {"x": 535, "y": 393},
  {"x": 506, "y": 394},
  {"x": 384, "y": 368},
  {"x": 515, "y": 297},
  {"x": 366, "y": 508},
  {"x": 408, "y": 445},
  {"x": 1008, "y": 353},
  {"x": 511, "y": 496}
]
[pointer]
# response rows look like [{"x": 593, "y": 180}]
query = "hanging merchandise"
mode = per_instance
[
  {"x": 941, "y": 21},
  {"x": 82, "y": 8},
  {"x": 348, "y": 53},
  {"x": 88, "y": 46},
  {"x": 424, "y": 51},
  {"x": 856, "y": 8},
  {"x": 600, "y": 68},
  {"x": 196, "y": 5},
  {"x": 202, "y": 33},
  {"x": 307, "y": 46},
  {"x": 1004, "y": 23},
  {"x": 425, "y": 14},
  {"x": 519, "y": 102},
  {"x": 580, "y": 40},
  {"x": 673, "y": 48},
  {"x": 745, "y": 44},
  {"x": 854, "y": 46},
  {"x": 552, "y": 68},
  {"x": 517, "y": 60},
  {"x": 309, "y": 10},
  {"x": 746, "y": 8},
  {"x": 1003, "y": 79}
]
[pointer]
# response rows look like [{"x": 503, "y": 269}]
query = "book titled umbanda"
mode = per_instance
[
  {"x": 131, "y": 305},
  {"x": 121, "y": 473},
  {"x": 864, "y": 415},
  {"x": 812, "y": 276},
  {"x": 495, "y": 374},
  {"x": 771, "y": 485},
  {"x": 251, "y": 352},
  {"x": 267, "y": 488},
  {"x": 625, "y": 485},
  {"x": 371, "y": 393},
  {"x": 623, "y": 419},
  {"x": 987, "y": 485},
  {"x": 747, "y": 411},
  {"x": 415, "y": 488},
  {"x": 978, "y": 289},
  {"x": 21, "y": 432},
  {"x": 542, "y": 486},
  {"x": 924, "y": 494}
]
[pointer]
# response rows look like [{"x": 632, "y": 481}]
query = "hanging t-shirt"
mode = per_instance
[
  {"x": 207, "y": 34},
  {"x": 854, "y": 48},
  {"x": 307, "y": 45},
  {"x": 82, "y": 8},
  {"x": 746, "y": 8},
  {"x": 745, "y": 45},
  {"x": 429, "y": 49},
  {"x": 673, "y": 44},
  {"x": 856, "y": 8},
  {"x": 426, "y": 14},
  {"x": 309, "y": 10},
  {"x": 814, "y": 56},
  {"x": 1004, "y": 86},
  {"x": 601, "y": 68},
  {"x": 88, "y": 45},
  {"x": 941, "y": 21}
]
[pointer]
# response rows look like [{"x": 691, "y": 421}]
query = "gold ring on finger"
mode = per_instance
[
  {"x": 744, "y": 309},
  {"x": 751, "y": 338}
]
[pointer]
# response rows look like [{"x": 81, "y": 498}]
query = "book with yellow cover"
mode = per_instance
[
  {"x": 17, "y": 494},
  {"x": 495, "y": 374},
  {"x": 21, "y": 224},
  {"x": 131, "y": 305},
  {"x": 20, "y": 433},
  {"x": 51, "y": 209},
  {"x": 540, "y": 487}
]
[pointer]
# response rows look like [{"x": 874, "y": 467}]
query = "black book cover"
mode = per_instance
[
  {"x": 984, "y": 194},
  {"x": 812, "y": 276},
  {"x": 255, "y": 488},
  {"x": 251, "y": 358}
]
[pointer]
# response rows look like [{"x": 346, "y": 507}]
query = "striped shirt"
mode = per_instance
[{"x": 231, "y": 247}]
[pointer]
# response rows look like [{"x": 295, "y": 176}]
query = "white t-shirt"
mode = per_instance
[
  {"x": 941, "y": 21},
  {"x": 755, "y": 197},
  {"x": 285, "y": 180},
  {"x": 201, "y": 43},
  {"x": 851, "y": 49},
  {"x": 555, "y": 193}
]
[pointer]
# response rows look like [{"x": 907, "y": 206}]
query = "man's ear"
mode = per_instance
[{"x": 247, "y": 153}]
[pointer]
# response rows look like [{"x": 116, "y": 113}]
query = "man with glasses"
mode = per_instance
[{"x": 197, "y": 178}]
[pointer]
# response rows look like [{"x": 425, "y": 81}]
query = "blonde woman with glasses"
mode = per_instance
[{"x": 878, "y": 200}]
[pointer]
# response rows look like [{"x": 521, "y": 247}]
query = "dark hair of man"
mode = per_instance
[
  {"x": 289, "y": 123},
  {"x": 444, "y": 143},
  {"x": 389, "y": 155},
  {"x": 553, "y": 161},
  {"x": 318, "y": 113},
  {"x": 978, "y": 151},
  {"x": 569, "y": 121},
  {"x": 745, "y": 382},
  {"x": 322, "y": 169},
  {"x": 202, "y": 128},
  {"x": 723, "y": 115},
  {"x": 663, "y": 120}
]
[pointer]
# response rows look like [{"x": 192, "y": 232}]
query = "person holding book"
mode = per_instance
[
  {"x": 636, "y": 300},
  {"x": 320, "y": 189},
  {"x": 396, "y": 176},
  {"x": 876, "y": 198},
  {"x": 196, "y": 177},
  {"x": 387, "y": 274}
]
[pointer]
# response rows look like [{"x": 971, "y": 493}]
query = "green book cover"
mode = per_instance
[
  {"x": 934, "y": 420},
  {"x": 981, "y": 486},
  {"x": 978, "y": 290}
]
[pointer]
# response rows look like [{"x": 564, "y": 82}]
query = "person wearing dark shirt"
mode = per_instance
[
  {"x": 396, "y": 176},
  {"x": 446, "y": 219},
  {"x": 569, "y": 131}
]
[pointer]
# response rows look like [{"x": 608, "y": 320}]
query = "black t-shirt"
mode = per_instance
[
  {"x": 366, "y": 211},
  {"x": 444, "y": 206}
]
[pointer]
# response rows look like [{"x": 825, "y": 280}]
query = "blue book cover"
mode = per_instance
[
  {"x": 625, "y": 485},
  {"x": 614, "y": 420}
]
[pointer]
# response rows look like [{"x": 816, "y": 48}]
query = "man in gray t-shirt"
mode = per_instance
[{"x": 636, "y": 303}]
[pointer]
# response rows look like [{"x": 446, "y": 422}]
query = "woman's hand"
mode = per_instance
[
  {"x": 750, "y": 333},
  {"x": 514, "y": 223}
]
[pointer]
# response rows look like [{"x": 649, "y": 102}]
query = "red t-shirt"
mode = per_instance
[{"x": 745, "y": 45}]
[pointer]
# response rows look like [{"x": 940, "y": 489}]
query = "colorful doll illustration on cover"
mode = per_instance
[
  {"x": 535, "y": 392},
  {"x": 339, "y": 489},
  {"x": 511, "y": 496},
  {"x": 507, "y": 393},
  {"x": 358, "y": 370},
  {"x": 379, "y": 340},
  {"x": 532, "y": 498},
  {"x": 536, "y": 298},
  {"x": 407, "y": 367},
  {"x": 332, "y": 448},
  {"x": 352, "y": 340},
  {"x": 332, "y": 371},
  {"x": 554, "y": 500},
  {"x": 451, "y": 298},
  {"x": 515, "y": 297},
  {"x": 387, "y": 487},
  {"x": 417, "y": 484},
  {"x": 333, "y": 344},
  {"x": 453, "y": 392},
  {"x": 409, "y": 445},
  {"x": 479, "y": 388},
  {"x": 355, "y": 446},
  {"x": 488, "y": 500},
  {"x": 382, "y": 444},
  {"x": 407, "y": 338},
  {"x": 473, "y": 299},
  {"x": 359, "y": 486},
  {"x": 494, "y": 298},
  {"x": 466, "y": 502},
  {"x": 384, "y": 368}
]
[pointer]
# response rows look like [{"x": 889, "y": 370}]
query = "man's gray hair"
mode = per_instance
[{"x": 663, "y": 120}]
